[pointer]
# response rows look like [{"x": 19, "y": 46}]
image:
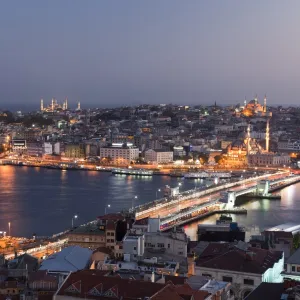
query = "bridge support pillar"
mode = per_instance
[
  {"x": 263, "y": 187},
  {"x": 231, "y": 199}
]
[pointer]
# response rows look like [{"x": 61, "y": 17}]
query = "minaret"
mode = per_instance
[
  {"x": 52, "y": 105},
  {"x": 255, "y": 99},
  {"x": 78, "y": 106},
  {"x": 64, "y": 106},
  {"x": 265, "y": 104},
  {"x": 245, "y": 102},
  {"x": 248, "y": 139},
  {"x": 268, "y": 135},
  {"x": 42, "y": 105},
  {"x": 66, "y": 103}
]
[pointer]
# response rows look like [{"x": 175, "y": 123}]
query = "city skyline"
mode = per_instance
[{"x": 112, "y": 54}]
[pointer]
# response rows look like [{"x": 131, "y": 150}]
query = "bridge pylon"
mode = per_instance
[{"x": 263, "y": 187}]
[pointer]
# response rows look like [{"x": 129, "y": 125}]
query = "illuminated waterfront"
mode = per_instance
[{"x": 43, "y": 201}]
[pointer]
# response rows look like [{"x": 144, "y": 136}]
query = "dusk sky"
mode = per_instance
[{"x": 105, "y": 53}]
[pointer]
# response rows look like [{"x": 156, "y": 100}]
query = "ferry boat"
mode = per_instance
[
  {"x": 200, "y": 175},
  {"x": 138, "y": 172},
  {"x": 224, "y": 219},
  {"x": 221, "y": 175}
]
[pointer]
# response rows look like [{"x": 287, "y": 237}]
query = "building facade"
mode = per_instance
[
  {"x": 120, "y": 153},
  {"x": 158, "y": 156}
]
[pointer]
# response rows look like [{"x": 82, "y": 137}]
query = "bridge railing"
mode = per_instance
[{"x": 167, "y": 202}]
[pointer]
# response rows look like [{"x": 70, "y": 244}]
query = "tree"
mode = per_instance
[{"x": 296, "y": 241}]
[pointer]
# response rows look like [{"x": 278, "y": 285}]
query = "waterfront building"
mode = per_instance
[
  {"x": 35, "y": 149},
  {"x": 245, "y": 267},
  {"x": 120, "y": 153},
  {"x": 19, "y": 146},
  {"x": 75, "y": 151},
  {"x": 158, "y": 156},
  {"x": 269, "y": 159}
]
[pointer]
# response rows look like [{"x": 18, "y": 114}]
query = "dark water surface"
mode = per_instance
[{"x": 43, "y": 201}]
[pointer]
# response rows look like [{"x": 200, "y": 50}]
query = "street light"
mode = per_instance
[
  {"x": 179, "y": 185},
  {"x": 9, "y": 228},
  {"x": 157, "y": 192},
  {"x": 74, "y": 217},
  {"x": 134, "y": 198},
  {"x": 108, "y": 206}
]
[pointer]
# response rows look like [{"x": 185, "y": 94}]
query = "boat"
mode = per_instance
[
  {"x": 200, "y": 175},
  {"x": 224, "y": 220},
  {"x": 138, "y": 172}
]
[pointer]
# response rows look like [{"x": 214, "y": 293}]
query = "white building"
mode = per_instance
[
  {"x": 244, "y": 268},
  {"x": 179, "y": 151},
  {"x": 293, "y": 266},
  {"x": 158, "y": 156},
  {"x": 122, "y": 153},
  {"x": 51, "y": 148}
]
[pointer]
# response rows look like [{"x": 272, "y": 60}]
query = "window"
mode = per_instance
[
  {"x": 249, "y": 281},
  {"x": 298, "y": 269},
  {"x": 293, "y": 268},
  {"x": 227, "y": 278},
  {"x": 108, "y": 234},
  {"x": 134, "y": 248},
  {"x": 160, "y": 245},
  {"x": 169, "y": 246},
  {"x": 180, "y": 253}
]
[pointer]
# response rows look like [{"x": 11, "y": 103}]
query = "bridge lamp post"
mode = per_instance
[
  {"x": 74, "y": 218},
  {"x": 134, "y": 198},
  {"x": 106, "y": 207},
  {"x": 157, "y": 191}
]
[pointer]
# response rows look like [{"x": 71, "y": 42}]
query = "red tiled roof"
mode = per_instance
[
  {"x": 103, "y": 250},
  {"x": 114, "y": 217},
  {"x": 86, "y": 284},
  {"x": 110, "y": 225},
  {"x": 171, "y": 291},
  {"x": 41, "y": 275},
  {"x": 175, "y": 279},
  {"x": 253, "y": 260}
]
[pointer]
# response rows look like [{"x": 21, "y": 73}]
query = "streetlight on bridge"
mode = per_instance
[{"x": 74, "y": 218}]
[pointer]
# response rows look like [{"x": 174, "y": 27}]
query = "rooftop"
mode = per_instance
[
  {"x": 267, "y": 291},
  {"x": 294, "y": 258},
  {"x": 231, "y": 258},
  {"x": 91, "y": 229},
  {"x": 89, "y": 284},
  {"x": 287, "y": 227},
  {"x": 69, "y": 259}
]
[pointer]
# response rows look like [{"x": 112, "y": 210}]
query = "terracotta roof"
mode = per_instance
[
  {"x": 179, "y": 292},
  {"x": 41, "y": 275},
  {"x": 175, "y": 279},
  {"x": 253, "y": 260},
  {"x": 89, "y": 284},
  {"x": 115, "y": 217},
  {"x": 168, "y": 292},
  {"x": 103, "y": 250}
]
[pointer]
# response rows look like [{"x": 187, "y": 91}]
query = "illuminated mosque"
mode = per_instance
[
  {"x": 238, "y": 150},
  {"x": 55, "y": 106},
  {"x": 254, "y": 108}
]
